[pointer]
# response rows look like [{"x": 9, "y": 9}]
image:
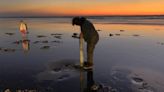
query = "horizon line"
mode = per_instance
[{"x": 78, "y": 15}]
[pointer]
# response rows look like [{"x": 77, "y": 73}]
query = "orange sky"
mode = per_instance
[{"x": 81, "y": 7}]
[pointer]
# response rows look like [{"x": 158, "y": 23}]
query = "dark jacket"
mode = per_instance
[{"x": 89, "y": 32}]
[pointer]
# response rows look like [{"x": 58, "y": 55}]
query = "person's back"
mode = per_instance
[{"x": 89, "y": 32}]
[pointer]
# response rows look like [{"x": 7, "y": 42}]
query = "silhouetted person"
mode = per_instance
[{"x": 90, "y": 36}]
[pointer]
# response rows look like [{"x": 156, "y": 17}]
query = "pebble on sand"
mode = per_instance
[
  {"x": 8, "y": 50},
  {"x": 56, "y": 41},
  {"x": 56, "y": 34},
  {"x": 75, "y": 33},
  {"x": 136, "y": 35},
  {"x": 110, "y": 34},
  {"x": 16, "y": 42},
  {"x": 117, "y": 34},
  {"x": 75, "y": 36},
  {"x": 63, "y": 76},
  {"x": 99, "y": 30},
  {"x": 9, "y": 34},
  {"x": 122, "y": 30},
  {"x": 162, "y": 43},
  {"x": 57, "y": 69},
  {"x": 45, "y": 47},
  {"x": 36, "y": 42},
  {"x": 136, "y": 79},
  {"x": 45, "y": 41},
  {"x": 41, "y": 36}
]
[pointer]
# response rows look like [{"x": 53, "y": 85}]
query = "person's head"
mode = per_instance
[{"x": 78, "y": 20}]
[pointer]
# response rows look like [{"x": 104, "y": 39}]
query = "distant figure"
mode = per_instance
[
  {"x": 90, "y": 36},
  {"x": 24, "y": 32},
  {"x": 23, "y": 27}
]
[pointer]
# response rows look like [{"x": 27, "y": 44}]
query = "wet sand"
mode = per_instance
[{"x": 127, "y": 58}]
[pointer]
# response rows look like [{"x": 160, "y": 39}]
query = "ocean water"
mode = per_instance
[{"x": 127, "y": 58}]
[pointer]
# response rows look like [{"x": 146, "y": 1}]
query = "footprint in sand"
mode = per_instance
[{"x": 142, "y": 85}]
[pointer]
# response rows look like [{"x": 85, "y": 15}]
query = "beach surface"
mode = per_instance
[{"x": 127, "y": 58}]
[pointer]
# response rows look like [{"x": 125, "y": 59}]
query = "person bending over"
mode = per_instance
[{"x": 89, "y": 34}]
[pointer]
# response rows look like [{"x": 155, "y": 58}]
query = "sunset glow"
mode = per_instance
[{"x": 81, "y": 7}]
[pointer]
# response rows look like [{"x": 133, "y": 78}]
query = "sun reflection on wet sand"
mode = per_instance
[{"x": 55, "y": 68}]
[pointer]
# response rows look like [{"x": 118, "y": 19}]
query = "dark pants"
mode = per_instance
[{"x": 90, "y": 49}]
